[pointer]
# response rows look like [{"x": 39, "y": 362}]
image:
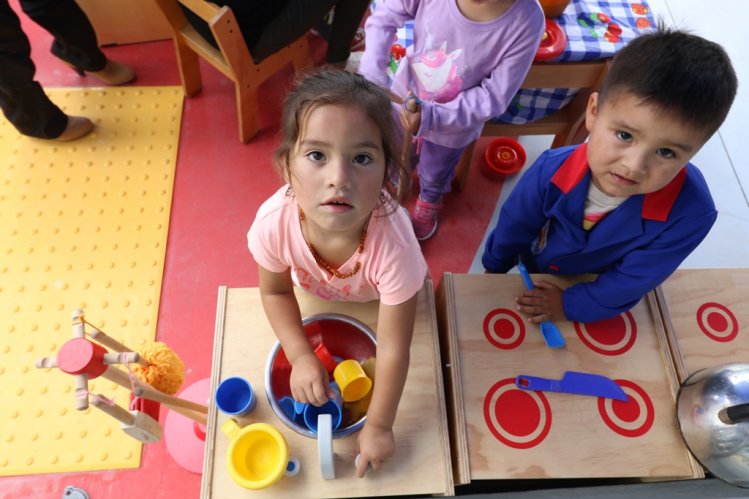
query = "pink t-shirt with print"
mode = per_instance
[{"x": 392, "y": 265}]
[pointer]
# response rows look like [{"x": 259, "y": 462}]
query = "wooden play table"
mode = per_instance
[
  {"x": 499, "y": 431},
  {"x": 421, "y": 465},
  {"x": 703, "y": 311}
]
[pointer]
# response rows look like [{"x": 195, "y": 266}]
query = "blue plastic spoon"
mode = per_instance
[{"x": 551, "y": 333}]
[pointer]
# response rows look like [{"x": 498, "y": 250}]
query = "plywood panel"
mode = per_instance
[
  {"x": 499, "y": 431},
  {"x": 421, "y": 464},
  {"x": 706, "y": 316},
  {"x": 126, "y": 21}
]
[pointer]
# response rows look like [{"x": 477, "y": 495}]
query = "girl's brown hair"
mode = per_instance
[{"x": 343, "y": 88}]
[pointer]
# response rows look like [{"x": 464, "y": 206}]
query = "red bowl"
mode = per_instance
[
  {"x": 504, "y": 156},
  {"x": 552, "y": 43}
]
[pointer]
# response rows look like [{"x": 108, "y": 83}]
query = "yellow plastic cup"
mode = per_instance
[
  {"x": 352, "y": 380},
  {"x": 257, "y": 455}
]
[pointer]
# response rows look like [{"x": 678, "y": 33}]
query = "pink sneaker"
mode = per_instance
[{"x": 424, "y": 219}]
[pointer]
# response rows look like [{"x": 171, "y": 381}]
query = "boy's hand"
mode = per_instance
[
  {"x": 374, "y": 445},
  {"x": 309, "y": 380},
  {"x": 543, "y": 303}
]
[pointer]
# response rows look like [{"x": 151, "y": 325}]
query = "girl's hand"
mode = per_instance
[
  {"x": 374, "y": 446},
  {"x": 411, "y": 113},
  {"x": 543, "y": 303},
  {"x": 309, "y": 380}
]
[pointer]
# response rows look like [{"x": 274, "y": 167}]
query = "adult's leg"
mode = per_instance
[
  {"x": 75, "y": 40},
  {"x": 346, "y": 19},
  {"x": 296, "y": 18},
  {"x": 436, "y": 170},
  {"x": 22, "y": 99}
]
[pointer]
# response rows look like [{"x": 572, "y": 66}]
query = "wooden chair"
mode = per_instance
[
  {"x": 232, "y": 58},
  {"x": 567, "y": 125}
]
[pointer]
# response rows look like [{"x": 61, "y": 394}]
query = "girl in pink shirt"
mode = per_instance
[{"x": 336, "y": 230}]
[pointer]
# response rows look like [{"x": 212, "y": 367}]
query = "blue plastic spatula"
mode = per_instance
[
  {"x": 551, "y": 333},
  {"x": 574, "y": 382}
]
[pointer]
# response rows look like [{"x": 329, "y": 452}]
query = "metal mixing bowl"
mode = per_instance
[
  {"x": 345, "y": 338},
  {"x": 713, "y": 414}
]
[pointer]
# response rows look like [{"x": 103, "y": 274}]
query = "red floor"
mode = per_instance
[{"x": 219, "y": 185}]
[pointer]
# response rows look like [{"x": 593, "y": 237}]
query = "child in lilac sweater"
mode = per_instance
[{"x": 467, "y": 61}]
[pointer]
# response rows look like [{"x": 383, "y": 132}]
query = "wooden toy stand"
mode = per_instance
[
  {"x": 501, "y": 432},
  {"x": 704, "y": 311},
  {"x": 421, "y": 465}
]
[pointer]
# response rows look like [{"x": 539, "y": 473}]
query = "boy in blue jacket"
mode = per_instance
[{"x": 627, "y": 205}]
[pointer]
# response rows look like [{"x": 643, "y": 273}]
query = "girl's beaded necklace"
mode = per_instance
[{"x": 327, "y": 266}]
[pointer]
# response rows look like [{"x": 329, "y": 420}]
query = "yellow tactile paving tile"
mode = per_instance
[{"x": 83, "y": 225}]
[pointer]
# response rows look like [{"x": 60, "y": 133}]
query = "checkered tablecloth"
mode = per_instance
[{"x": 595, "y": 29}]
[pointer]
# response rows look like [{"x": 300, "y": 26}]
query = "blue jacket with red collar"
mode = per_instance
[{"x": 633, "y": 249}]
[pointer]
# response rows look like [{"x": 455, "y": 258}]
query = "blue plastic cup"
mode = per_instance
[
  {"x": 235, "y": 397},
  {"x": 289, "y": 408},
  {"x": 333, "y": 406},
  {"x": 299, "y": 408}
]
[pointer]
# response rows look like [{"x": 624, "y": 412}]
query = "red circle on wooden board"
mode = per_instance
[
  {"x": 632, "y": 418},
  {"x": 613, "y": 336},
  {"x": 504, "y": 328},
  {"x": 518, "y": 418},
  {"x": 552, "y": 43},
  {"x": 717, "y": 322}
]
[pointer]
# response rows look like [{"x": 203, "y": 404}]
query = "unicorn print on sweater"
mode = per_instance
[{"x": 437, "y": 75}]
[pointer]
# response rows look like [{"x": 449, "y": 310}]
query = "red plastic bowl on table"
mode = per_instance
[
  {"x": 504, "y": 156},
  {"x": 552, "y": 43}
]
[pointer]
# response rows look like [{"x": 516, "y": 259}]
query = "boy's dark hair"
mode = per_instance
[
  {"x": 336, "y": 87},
  {"x": 677, "y": 72}
]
